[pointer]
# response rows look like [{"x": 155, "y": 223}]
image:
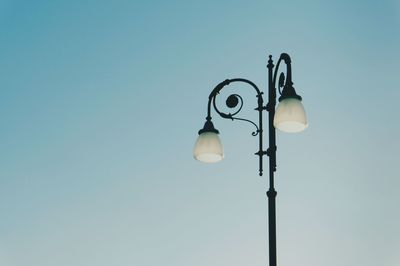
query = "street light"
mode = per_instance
[{"x": 289, "y": 116}]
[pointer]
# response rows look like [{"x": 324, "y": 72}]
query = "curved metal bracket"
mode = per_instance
[
  {"x": 282, "y": 81},
  {"x": 285, "y": 85},
  {"x": 233, "y": 101}
]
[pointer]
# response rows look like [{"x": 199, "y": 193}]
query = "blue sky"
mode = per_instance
[{"x": 101, "y": 101}]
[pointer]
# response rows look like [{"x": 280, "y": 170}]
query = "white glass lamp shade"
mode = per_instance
[
  {"x": 208, "y": 148},
  {"x": 290, "y": 116}
]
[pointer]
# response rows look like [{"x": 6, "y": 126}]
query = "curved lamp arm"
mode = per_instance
[
  {"x": 286, "y": 58},
  {"x": 287, "y": 84},
  {"x": 232, "y": 101}
]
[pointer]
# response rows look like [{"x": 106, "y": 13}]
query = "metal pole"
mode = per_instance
[{"x": 271, "y": 152}]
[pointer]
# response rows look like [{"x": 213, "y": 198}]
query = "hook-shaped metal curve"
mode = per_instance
[
  {"x": 286, "y": 58},
  {"x": 219, "y": 87}
]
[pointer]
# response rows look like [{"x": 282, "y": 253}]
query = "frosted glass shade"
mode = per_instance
[
  {"x": 208, "y": 148},
  {"x": 290, "y": 116}
]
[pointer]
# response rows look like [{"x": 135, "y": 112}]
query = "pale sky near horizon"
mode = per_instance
[{"x": 101, "y": 101}]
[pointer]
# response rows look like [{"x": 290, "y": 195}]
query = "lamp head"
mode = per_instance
[
  {"x": 290, "y": 115},
  {"x": 208, "y": 146}
]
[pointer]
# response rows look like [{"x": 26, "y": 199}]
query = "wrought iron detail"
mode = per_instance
[{"x": 233, "y": 101}]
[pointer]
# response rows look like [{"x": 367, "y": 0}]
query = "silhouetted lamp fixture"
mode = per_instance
[{"x": 289, "y": 116}]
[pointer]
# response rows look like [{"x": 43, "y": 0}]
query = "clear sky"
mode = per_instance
[{"x": 101, "y": 101}]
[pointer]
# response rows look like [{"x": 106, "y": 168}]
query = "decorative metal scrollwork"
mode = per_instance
[
  {"x": 283, "y": 80},
  {"x": 235, "y": 101}
]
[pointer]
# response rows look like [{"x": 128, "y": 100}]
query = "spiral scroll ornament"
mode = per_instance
[{"x": 234, "y": 101}]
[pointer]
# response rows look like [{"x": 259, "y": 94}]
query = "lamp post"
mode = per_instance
[{"x": 289, "y": 116}]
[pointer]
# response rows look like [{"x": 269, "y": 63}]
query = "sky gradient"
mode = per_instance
[{"x": 101, "y": 101}]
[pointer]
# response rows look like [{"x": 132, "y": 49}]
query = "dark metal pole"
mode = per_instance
[{"x": 271, "y": 152}]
